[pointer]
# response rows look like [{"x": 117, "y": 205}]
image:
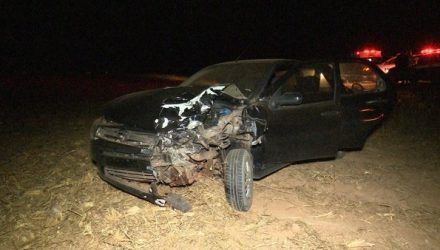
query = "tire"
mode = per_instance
[{"x": 239, "y": 174}]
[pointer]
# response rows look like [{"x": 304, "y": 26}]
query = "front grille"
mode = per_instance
[
  {"x": 126, "y": 137},
  {"x": 144, "y": 176},
  {"x": 143, "y": 156}
]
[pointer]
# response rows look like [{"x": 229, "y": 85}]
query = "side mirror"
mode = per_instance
[{"x": 290, "y": 98}]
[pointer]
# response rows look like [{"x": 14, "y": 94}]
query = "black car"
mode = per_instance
[{"x": 242, "y": 120}]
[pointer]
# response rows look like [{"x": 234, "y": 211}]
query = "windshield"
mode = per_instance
[{"x": 248, "y": 77}]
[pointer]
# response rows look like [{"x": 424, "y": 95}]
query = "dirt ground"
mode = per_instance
[{"x": 386, "y": 196}]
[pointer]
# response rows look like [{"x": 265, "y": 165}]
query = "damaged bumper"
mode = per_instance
[{"x": 124, "y": 167}]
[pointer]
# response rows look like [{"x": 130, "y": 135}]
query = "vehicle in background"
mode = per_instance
[
  {"x": 372, "y": 55},
  {"x": 427, "y": 66},
  {"x": 423, "y": 67}
]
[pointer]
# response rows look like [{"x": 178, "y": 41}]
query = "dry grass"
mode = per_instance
[{"x": 385, "y": 196}]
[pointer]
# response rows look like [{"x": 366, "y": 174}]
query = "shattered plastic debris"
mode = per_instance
[
  {"x": 165, "y": 122},
  {"x": 195, "y": 103},
  {"x": 178, "y": 202},
  {"x": 194, "y": 124}
]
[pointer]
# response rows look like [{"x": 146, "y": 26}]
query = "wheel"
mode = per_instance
[{"x": 239, "y": 174}]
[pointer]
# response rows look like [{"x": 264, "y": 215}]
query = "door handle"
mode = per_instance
[{"x": 330, "y": 113}]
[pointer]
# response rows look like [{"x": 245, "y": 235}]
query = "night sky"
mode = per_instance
[{"x": 182, "y": 36}]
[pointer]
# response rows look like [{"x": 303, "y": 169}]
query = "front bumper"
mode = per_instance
[
  {"x": 119, "y": 164},
  {"x": 126, "y": 167}
]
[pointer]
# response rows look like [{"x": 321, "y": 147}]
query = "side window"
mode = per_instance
[
  {"x": 314, "y": 82},
  {"x": 360, "y": 78}
]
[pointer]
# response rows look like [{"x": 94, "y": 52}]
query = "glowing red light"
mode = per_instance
[
  {"x": 429, "y": 51},
  {"x": 369, "y": 53}
]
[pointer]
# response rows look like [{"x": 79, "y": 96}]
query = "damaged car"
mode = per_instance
[{"x": 240, "y": 120}]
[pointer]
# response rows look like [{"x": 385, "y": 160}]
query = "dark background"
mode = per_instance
[{"x": 182, "y": 36}]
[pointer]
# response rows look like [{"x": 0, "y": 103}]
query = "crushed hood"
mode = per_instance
[
  {"x": 166, "y": 109},
  {"x": 186, "y": 112},
  {"x": 139, "y": 110}
]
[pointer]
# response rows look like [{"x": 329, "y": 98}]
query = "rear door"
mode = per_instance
[{"x": 365, "y": 99}]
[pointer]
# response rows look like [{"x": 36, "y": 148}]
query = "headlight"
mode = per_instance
[
  {"x": 115, "y": 132},
  {"x": 101, "y": 122}
]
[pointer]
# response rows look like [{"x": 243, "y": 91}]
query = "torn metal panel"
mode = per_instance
[
  {"x": 255, "y": 122},
  {"x": 184, "y": 112},
  {"x": 178, "y": 175},
  {"x": 193, "y": 129},
  {"x": 233, "y": 91}
]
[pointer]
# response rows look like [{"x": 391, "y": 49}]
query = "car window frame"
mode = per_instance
[
  {"x": 372, "y": 66},
  {"x": 277, "y": 86}
]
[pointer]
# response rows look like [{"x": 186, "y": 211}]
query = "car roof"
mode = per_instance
[{"x": 255, "y": 61}]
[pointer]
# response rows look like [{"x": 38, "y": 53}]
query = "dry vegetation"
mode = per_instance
[{"x": 384, "y": 197}]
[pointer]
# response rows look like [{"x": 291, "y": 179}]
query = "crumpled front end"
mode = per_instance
[
  {"x": 191, "y": 134},
  {"x": 194, "y": 130}
]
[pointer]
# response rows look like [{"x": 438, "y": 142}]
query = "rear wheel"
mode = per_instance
[{"x": 239, "y": 174}]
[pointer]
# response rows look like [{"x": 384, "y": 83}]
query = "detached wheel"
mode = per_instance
[{"x": 239, "y": 174}]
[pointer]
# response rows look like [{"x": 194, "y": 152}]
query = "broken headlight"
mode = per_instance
[
  {"x": 115, "y": 132},
  {"x": 215, "y": 114},
  {"x": 223, "y": 111},
  {"x": 98, "y": 123}
]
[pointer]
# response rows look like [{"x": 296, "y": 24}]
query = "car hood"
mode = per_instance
[
  {"x": 168, "y": 108},
  {"x": 140, "y": 109}
]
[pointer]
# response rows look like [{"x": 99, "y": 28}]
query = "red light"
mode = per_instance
[
  {"x": 369, "y": 53},
  {"x": 429, "y": 51}
]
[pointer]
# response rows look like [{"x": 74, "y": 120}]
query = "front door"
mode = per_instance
[{"x": 303, "y": 118}]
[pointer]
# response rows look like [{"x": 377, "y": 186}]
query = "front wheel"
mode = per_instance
[{"x": 239, "y": 174}]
